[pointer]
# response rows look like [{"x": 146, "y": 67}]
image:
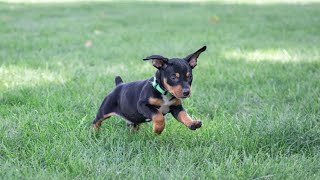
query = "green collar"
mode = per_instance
[{"x": 157, "y": 86}]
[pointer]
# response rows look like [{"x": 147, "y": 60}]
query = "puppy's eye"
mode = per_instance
[
  {"x": 174, "y": 77},
  {"x": 190, "y": 78}
]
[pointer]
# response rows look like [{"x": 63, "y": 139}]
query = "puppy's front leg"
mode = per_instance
[
  {"x": 153, "y": 114},
  {"x": 181, "y": 115},
  {"x": 158, "y": 123}
]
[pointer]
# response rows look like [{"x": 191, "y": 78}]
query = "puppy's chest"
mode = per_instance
[{"x": 165, "y": 105}]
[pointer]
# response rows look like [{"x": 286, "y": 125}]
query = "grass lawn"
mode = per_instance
[{"x": 256, "y": 89}]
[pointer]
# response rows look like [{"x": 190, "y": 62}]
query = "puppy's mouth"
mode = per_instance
[
  {"x": 176, "y": 91},
  {"x": 179, "y": 97},
  {"x": 184, "y": 97}
]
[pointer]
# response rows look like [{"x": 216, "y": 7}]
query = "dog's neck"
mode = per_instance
[
  {"x": 159, "y": 79},
  {"x": 158, "y": 85}
]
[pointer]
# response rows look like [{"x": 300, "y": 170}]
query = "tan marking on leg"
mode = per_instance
[
  {"x": 175, "y": 90},
  {"x": 185, "y": 118},
  {"x": 155, "y": 101},
  {"x": 158, "y": 123},
  {"x": 97, "y": 124}
]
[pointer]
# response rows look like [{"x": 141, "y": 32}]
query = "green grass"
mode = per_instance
[{"x": 256, "y": 89}]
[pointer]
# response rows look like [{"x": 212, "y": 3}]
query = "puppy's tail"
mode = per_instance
[{"x": 118, "y": 80}]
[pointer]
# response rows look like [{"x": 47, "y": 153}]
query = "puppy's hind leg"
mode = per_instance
[
  {"x": 105, "y": 111},
  {"x": 97, "y": 122}
]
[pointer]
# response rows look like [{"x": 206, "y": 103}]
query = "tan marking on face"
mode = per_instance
[
  {"x": 188, "y": 74},
  {"x": 158, "y": 123},
  {"x": 97, "y": 124},
  {"x": 175, "y": 90},
  {"x": 185, "y": 118},
  {"x": 177, "y": 75},
  {"x": 155, "y": 101}
]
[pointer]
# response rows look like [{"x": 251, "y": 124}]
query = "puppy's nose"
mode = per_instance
[{"x": 186, "y": 92}]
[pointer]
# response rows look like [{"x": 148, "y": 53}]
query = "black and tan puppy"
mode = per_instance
[{"x": 151, "y": 99}]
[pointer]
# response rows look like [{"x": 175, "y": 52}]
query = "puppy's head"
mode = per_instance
[{"x": 176, "y": 73}]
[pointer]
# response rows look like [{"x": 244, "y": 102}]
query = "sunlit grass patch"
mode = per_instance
[
  {"x": 15, "y": 76},
  {"x": 272, "y": 55},
  {"x": 174, "y": 1}
]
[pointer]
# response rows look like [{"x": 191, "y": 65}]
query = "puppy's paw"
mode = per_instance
[
  {"x": 96, "y": 127},
  {"x": 195, "y": 125}
]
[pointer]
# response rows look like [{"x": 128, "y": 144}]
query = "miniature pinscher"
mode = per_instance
[{"x": 151, "y": 99}]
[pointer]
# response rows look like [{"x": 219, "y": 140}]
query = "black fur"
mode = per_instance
[
  {"x": 131, "y": 100},
  {"x": 118, "y": 80}
]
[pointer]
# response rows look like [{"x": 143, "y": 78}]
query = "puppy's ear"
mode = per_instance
[
  {"x": 192, "y": 58},
  {"x": 157, "y": 61}
]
